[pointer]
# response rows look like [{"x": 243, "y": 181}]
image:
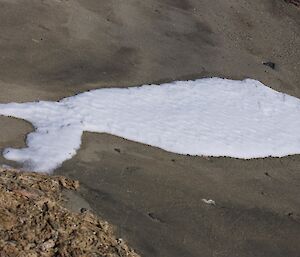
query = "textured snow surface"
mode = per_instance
[{"x": 213, "y": 117}]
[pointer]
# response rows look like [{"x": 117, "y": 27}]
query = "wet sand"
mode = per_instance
[{"x": 54, "y": 49}]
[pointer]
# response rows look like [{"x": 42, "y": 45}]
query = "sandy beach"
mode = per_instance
[{"x": 54, "y": 49}]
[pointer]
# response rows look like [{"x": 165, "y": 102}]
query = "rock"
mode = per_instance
[
  {"x": 83, "y": 210},
  {"x": 270, "y": 64},
  {"x": 47, "y": 245},
  {"x": 294, "y": 2},
  {"x": 33, "y": 221}
]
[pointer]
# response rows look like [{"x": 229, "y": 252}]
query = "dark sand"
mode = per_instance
[
  {"x": 53, "y": 49},
  {"x": 154, "y": 198}
]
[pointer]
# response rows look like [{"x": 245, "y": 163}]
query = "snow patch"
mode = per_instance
[
  {"x": 209, "y": 202},
  {"x": 211, "y": 117}
]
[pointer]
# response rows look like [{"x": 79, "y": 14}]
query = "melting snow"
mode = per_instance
[{"x": 212, "y": 117}]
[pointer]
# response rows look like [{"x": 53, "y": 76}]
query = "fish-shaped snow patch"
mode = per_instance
[{"x": 211, "y": 117}]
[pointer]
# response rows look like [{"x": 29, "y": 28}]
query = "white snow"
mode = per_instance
[
  {"x": 209, "y": 202},
  {"x": 211, "y": 117}
]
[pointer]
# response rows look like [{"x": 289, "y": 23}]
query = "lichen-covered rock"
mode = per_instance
[{"x": 34, "y": 223}]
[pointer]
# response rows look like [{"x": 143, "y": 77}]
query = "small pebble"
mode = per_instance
[
  {"x": 83, "y": 210},
  {"x": 269, "y": 64}
]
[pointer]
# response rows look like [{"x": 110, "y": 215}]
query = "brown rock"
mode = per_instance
[{"x": 34, "y": 223}]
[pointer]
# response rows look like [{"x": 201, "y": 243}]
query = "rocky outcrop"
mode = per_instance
[{"x": 33, "y": 221}]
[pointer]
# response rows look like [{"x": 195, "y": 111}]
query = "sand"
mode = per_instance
[
  {"x": 54, "y": 49},
  {"x": 155, "y": 199}
]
